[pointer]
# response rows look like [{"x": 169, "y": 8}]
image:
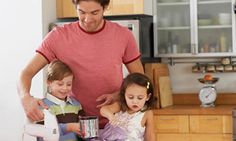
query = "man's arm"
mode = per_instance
[
  {"x": 135, "y": 66},
  {"x": 30, "y": 104}
]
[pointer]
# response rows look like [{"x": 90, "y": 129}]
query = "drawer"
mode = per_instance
[
  {"x": 172, "y": 137},
  {"x": 172, "y": 124},
  {"x": 210, "y": 137},
  {"x": 210, "y": 124}
]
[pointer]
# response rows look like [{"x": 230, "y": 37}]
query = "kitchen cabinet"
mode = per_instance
[
  {"x": 194, "y": 128},
  {"x": 188, "y": 123},
  {"x": 65, "y": 8},
  {"x": 194, "y": 28}
]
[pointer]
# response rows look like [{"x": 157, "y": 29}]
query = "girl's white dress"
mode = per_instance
[{"x": 128, "y": 129}]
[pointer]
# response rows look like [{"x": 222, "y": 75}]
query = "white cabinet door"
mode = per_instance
[
  {"x": 186, "y": 28},
  {"x": 215, "y": 27}
]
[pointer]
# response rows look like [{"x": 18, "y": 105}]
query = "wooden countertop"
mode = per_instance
[{"x": 195, "y": 110}]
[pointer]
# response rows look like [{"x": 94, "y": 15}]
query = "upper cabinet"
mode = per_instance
[
  {"x": 194, "y": 28},
  {"x": 65, "y": 8}
]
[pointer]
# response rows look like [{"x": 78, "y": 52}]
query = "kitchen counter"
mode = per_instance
[{"x": 195, "y": 110}]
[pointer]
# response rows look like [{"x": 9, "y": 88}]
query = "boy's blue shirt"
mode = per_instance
[{"x": 66, "y": 112}]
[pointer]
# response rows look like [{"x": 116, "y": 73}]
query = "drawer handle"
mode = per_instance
[
  {"x": 167, "y": 119},
  {"x": 211, "y": 118}
]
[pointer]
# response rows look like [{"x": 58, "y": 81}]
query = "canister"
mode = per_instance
[{"x": 89, "y": 126}]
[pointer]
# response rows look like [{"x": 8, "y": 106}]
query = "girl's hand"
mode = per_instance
[
  {"x": 114, "y": 120},
  {"x": 120, "y": 120},
  {"x": 74, "y": 127}
]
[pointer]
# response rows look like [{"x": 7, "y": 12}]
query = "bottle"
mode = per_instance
[
  {"x": 175, "y": 44},
  {"x": 223, "y": 43},
  {"x": 169, "y": 43}
]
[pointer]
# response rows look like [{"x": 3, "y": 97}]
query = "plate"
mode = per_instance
[
  {"x": 202, "y": 22},
  {"x": 213, "y": 81}
]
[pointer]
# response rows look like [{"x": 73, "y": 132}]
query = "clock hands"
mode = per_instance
[{"x": 208, "y": 95}]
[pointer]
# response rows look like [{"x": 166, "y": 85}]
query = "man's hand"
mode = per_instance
[
  {"x": 32, "y": 106},
  {"x": 106, "y": 99}
]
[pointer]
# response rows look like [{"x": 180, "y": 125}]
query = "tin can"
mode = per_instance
[{"x": 89, "y": 126}]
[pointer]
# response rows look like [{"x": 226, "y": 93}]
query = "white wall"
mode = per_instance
[
  {"x": 21, "y": 31},
  {"x": 184, "y": 81}
]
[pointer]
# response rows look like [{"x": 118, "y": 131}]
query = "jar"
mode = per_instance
[
  {"x": 220, "y": 68},
  {"x": 225, "y": 61}
]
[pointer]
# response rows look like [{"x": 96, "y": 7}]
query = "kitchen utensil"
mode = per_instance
[
  {"x": 195, "y": 68},
  {"x": 202, "y": 22},
  {"x": 225, "y": 61},
  {"x": 224, "y": 18},
  {"x": 89, "y": 126},
  {"x": 208, "y": 94},
  {"x": 49, "y": 131},
  {"x": 154, "y": 71},
  {"x": 166, "y": 97},
  {"x": 228, "y": 67},
  {"x": 202, "y": 68},
  {"x": 210, "y": 68},
  {"x": 213, "y": 81},
  {"x": 220, "y": 68}
]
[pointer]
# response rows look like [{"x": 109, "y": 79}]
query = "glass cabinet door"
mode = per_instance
[
  {"x": 214, "y": 26},
  {"x": 173, "y": 27},
  {"x": 187, "y": 28}
]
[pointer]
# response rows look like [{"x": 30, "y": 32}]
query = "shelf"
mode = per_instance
[
  {"x": 214, "y": 26},
  {"x": 173, "y": 4},
  {"x": 214, "y": 2},
  {"x": 174, "y": 28},
  {"x": 214, "y": 71},
  {"x": 224, "y": 65}
]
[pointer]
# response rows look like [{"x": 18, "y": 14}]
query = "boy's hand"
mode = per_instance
[{"x": 74, "y": 127}]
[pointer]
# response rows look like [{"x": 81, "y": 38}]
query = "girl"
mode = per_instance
[
  {"x": 131, "y": 119},
  {"x": 66, "y": 109}
]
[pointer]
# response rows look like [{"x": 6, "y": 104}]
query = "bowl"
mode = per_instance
[
  {"x": 202, "y": 22},
  {"x": 213, "y": 81}
]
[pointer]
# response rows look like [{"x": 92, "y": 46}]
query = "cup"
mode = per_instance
[
  {"x": 89, "y": 126},
  {"x": 224, "y": 18},
  {"x": 177, "y": 21},
  {"x": 164, "y": 21}
]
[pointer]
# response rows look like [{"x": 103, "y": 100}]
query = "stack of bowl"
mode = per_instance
[
  {"x": 204, "y": 20},
  {"x": 224, "y": 18}
]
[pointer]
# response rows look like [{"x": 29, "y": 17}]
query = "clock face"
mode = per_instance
[{"x": 207, "y": 95}]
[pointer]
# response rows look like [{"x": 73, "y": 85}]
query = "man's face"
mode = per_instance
[{"x": 90, "y": 15}]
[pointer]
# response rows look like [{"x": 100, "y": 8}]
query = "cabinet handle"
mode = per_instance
[
  {"x": 234, "y": 8},
  {"x": 193, "y": 49}
]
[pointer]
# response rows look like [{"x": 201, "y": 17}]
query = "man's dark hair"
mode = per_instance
[{"x": 104, "y": 3}]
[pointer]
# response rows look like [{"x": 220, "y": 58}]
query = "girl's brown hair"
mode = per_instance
[
  {"x": 143, "y": 81},
  {"x": 57, "y": 70}
]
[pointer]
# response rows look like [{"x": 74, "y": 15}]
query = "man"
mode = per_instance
[{"x": 94, "y": 49}]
